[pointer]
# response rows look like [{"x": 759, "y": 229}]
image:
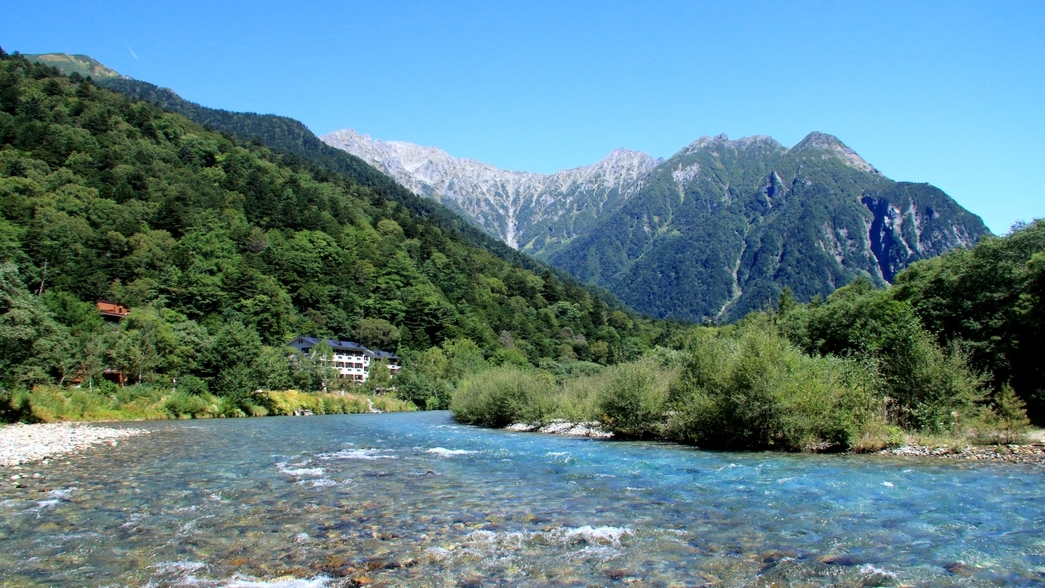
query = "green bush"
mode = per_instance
[
  {"x": 504, "y": 395},
  {"x": 926, "y": 388},
  {"x": 1007, "y": 418},
  {"x": 16, "y": 406},
  {"x": 184, "y": 404},
  {"x": 229, "y": 407},
  {"x": 934, "y": 390},
  {"x": 192, "y": 385},
  {"x": 577, "y": 399},
  {"x": 758, "y": 391},
  {"x": 634, "y": 400}
]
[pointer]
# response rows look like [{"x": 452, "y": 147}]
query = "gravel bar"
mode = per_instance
[
  {"x": 1012, "y": 453},
  {"x": 21, "y": 444}
]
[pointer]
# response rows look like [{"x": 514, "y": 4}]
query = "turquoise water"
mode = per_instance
[{"x": 414, "y": 499}]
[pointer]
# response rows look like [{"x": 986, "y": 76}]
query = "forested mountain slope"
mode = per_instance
[
  {"x": 226, "y": 250},
  {"x": 720, "y": 228},
  {"x": 288, "y": 135},
  {"x": 714, "y": 232}
]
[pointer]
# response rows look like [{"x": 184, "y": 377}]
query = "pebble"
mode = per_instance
[
  {"x": 1012, "y": 453},
  {"x": 1034, "y": 453},
  {"x": 561, "y": 427},
  {"x": 21, "y": 444}
]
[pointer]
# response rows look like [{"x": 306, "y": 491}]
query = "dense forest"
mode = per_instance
[
  {"x": 289, "y": 136},
  {"x": 225, "y": 250}
]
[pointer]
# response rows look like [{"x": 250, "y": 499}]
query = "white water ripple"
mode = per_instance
[{"x": 443, "y": 452}]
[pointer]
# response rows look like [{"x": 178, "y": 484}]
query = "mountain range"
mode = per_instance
[
  {"x": 528, "y": 211},
  {"x": 713, "y": 232}
]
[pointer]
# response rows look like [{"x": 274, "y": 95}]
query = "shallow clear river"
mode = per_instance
[{"x": 414, "y": 499}]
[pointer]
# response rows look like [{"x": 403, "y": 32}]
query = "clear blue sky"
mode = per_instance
[{"x": 951, "y": 93}]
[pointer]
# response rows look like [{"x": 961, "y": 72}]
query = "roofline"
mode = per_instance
[{"x": 338, "y": 344}]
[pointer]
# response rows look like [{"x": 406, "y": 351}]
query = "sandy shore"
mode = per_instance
[{"x": 21, "y": 444}]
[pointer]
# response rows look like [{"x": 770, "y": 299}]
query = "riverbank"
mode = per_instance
[
  {"x": 1011, "y": 453},
  {"x": 22, "y": 444},
  {"x": 1033, "y": 451},
  {"x": 50, "y": 404}
]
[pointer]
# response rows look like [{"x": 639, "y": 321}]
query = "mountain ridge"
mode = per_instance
[
  {"x": 84, "y": 65},
  {"x": 737, "y": 208},
  {"x": 582, "y": 220},
  {"x": 507, "y": 196}
]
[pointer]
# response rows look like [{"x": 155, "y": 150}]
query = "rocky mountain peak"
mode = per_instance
[
  {"x": 817, "y": 141},
  {"x": 514, "y": 206},
  {"x": 670, "y": 245},
  {"x": 708, "y": 142}
]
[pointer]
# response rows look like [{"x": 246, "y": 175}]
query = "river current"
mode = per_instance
[{"x": 414, "y": 499}]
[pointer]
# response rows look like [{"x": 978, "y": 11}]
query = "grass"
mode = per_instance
[{"x": 46, "y": 404}]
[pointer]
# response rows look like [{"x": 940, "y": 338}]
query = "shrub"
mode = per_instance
[
  {"x": 50, "y": 403},
  {"x": 287, "y": 401},
  {"x": 634, "y": 400},
  {"x": 1007, "y": 417},
  {"x": 577, "y": 399},
  {"x": 935, "y": 390},
  {"x": 192, "y": 385},
  {"x": 229, "y": 407},
  {"x": 759, "y": 391},
  {"x": 16, "y": 406},
  {"x": 185, "y": 404},
  {"x": 390, "y": 404},
  {"x": 504, "y": 395}
]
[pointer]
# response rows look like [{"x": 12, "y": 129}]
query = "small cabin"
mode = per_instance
[{"x": 112, "y": 311}]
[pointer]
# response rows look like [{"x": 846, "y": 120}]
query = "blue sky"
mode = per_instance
[{"x": 950, "y": 93}]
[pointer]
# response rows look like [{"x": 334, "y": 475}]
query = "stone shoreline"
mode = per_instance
[
  {"x": 22, "y": 444},
  {"x": 1011, "y": 453},
  {"x": 560, "y": 427}
]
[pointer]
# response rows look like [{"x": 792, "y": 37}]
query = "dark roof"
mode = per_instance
[
  {"x": 383, "y": 355},
  {"x": 336, "y": 345}
]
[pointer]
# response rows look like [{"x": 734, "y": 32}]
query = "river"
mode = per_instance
[{"x": 414, "y": 499}]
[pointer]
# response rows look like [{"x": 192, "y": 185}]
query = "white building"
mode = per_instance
[{"x": 350, "y": 359}]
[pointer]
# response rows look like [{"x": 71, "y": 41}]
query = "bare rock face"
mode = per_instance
[
  {"x": 527, "y": 211},
  {"x": 713, "y": 232}
]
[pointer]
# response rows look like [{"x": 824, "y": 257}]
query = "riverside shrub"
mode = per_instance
[
  {"x": 757, "y": 390},
  {"x": 634, "y": 399},
  {"x": 504, "y": 395},
  {"x": 927, "y": 388}
]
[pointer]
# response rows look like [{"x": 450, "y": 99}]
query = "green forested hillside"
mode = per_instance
[
  {"x": 225, "y": 250},
  {"x": 286, "y": 135},
  {"x": 722, "y": 227},
  {"x": 990, "y": 302},
  {"x": 83, "y": 65}
]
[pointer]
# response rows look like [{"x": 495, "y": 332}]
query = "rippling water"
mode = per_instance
[{"x": 413, "y": 499}]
